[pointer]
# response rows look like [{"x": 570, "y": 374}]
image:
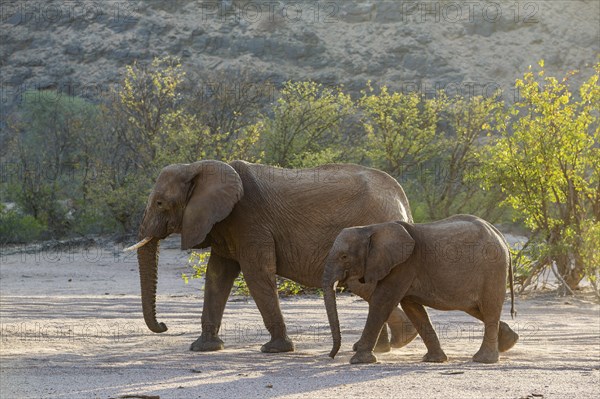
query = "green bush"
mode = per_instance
[
  {"x": 198, "y": 262},
  {"x": 53, "y": 142},
  {"x": 16, "y": 227},
  {"x": 547, "y": 162},
  {"x": 306, "y": 126},
  {"x": 91, "y": 220}
]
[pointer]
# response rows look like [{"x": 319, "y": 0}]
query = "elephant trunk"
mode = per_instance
[
  {"x": 148, "y": 262},
  {"x": 334, "y": 322},
  {"x": 329, "y": 285}
]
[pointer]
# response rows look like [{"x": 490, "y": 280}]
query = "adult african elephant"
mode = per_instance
[{"x": 263, "y": 221}]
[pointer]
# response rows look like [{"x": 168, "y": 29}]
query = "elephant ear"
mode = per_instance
[
  {"x": 214, "y": 189},
  {"x": 389, "y": 245}
]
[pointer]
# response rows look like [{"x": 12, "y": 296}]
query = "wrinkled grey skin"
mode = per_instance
[
  {"x": 263, "y": 221},
  {"x": 459, "y": 263}
]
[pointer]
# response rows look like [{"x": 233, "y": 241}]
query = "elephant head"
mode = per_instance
[
  {"x": 366, "y": 254},
  {"x": 187, "y": 199}
]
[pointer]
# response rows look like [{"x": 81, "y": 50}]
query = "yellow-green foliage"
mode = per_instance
[
  {"x": 152, "y": 128},
  {"x": 591, "y": 252},
  {"x": 49, "y": 155},
  {"x": 157, "y": 123},
  {"x": 401, "y": 128},
  {"x": 431, "y": 145},
  {"x": 151, "y": 97},
  {"x": 540, "y": 156},
  {"x": 455, "y": 187},
  {"x": 546, "y": 161},
  {"x": 305, "y": 128},
  {"x": 198, "y": 261}
]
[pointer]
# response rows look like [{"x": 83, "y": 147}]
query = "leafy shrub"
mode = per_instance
[
  {"x": 290, "y": 288},
  {"x": 198, "y": 261},
  {"x": 53, "y": 142},
  {"x": 591, "y": 253},
  {"x": 547, "y": 162},
  {"x": 400, "y": 127},
  {"x": 16, "y": 227},
  {"x": 305, "y": 129},
  {"x": 431, "y": 146},
  {"x": 529, "y": 262}
]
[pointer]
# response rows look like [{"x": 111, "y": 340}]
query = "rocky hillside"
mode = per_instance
[{"x": 468, "y": 47}]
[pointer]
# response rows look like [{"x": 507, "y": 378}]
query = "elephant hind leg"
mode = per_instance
[
  {"x": 488, "y": 352},
  {"x": 403, "y": 332},
  {"x": 507, "y": 338}
]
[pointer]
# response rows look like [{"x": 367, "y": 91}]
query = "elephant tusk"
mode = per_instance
[
  {"x": 138, "y": 245},
  {"x": 335, "y": 285}
]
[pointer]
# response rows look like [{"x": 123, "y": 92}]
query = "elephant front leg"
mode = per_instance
[
  {"x": 402, "y": 330},
  {"x": 263, "y": 288},
  {"x": 378, "y": 313},
  {"x": 420, "y": 319},
  {"x": 220, "y": 274},
  {"x": 383, "y": 342}
]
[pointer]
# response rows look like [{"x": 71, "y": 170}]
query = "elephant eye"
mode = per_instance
[
  {"x": 159, "y": 203},
  {"x": 343, "y": 257}
]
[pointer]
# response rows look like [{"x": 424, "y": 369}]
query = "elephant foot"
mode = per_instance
[
  {"x": 380, "y": 347},
  {"x": 435, "y": 357},
  {"x": 207, "y": 344},
  {"x": 278, "y": 345},
  {"x": 404, "y": 338},
  {"x": 363, "y": 357},
  {"x": 402, "y": 329},
  {"x": 486, "y": 356},
  {"x": 507, "y": 338}
]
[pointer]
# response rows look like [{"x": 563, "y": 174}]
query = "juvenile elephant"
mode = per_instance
[
  {"x": 459, "y": 263},
  {"x": 263, "y": 221}
]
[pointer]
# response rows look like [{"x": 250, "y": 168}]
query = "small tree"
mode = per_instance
[
  {"x": 140, "y": 119},
  {"x": 229, "y": 105},
  {"x": 150, "y": 125},
  {"x": 547, "y": 163},
  {"x": 147, "y": 128},
  {"x": 306, "y": 127},
  {"x": 451, "y": 185},
  {"x": 401, "y": 129},
  {"x": 157, "y": 125},
  {"x": 53, "y": 132}
]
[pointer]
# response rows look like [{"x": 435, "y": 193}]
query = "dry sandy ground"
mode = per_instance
[{"x": 72, "y": 327}]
